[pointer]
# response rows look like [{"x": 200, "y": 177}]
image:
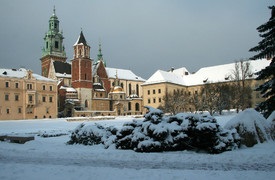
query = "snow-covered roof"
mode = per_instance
[
  {"x": 68, "y": 89},
  {"x": 213, "y": 74},
  {"x": 63, "y": 75},
  {"x": 21, "y": 73},
  {"x": 122, "y": 74},
  {"x": 181, "y": 71},
  {"x": 161, "y": 76}
]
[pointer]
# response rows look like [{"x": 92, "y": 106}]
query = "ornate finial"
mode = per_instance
[{"x": 53, "y": 10}]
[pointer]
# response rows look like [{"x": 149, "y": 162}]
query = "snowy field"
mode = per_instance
[{"x": 51, "y": 158}]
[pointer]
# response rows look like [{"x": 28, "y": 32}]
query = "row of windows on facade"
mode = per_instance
[
  {"x": 29, "y": 86},
  {"x": 154, "y": 100},
  {"x": 29, "y": 110},
  {"x": 137, "y": 106},
  {"x": 30, "y": 98},
  {"x": 154, "y": 91}
]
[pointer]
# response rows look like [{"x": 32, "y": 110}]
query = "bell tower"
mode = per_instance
[
  {"x": 81, "y": 64},
  {"x": 53, "y": 45},
  {"x": 82, "y": 79}
]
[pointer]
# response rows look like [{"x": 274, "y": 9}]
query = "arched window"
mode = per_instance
[
  {"x": 129, "y": 106},
  {"x": 86, "y": 103},
  {"x": 137, "y": 106},
  {"x": 137, "y": 90}
]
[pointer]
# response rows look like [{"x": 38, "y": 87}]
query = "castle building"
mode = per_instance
[
  {"x": 161, "y": 83},
  {"x": 25, "y": 95},
  {"x": 87, "y": 87}
]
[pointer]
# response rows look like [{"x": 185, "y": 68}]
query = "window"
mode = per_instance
[
  {"x": 160, "y": 100},
  {"x": 51, "y": 88},
  {"x": 154, "y": 100},
  {"x": 55, "y": 25},
  {"x": 29, "y": 86},
  {"x": 44, "y": 99},
  {"x": 44, "y": 87},
  {"x": 16, "y": 97},
  {"x": 30, "y": 98},
  {"x": 47, "y": 45},
  {"x": 154, "y": 91},
  {"x": 19, "y": 110},
  {"x": 129, "y": 106},
  {"x": 130, "y": 89},
  {"x": 137, "y": 106},
  {"x": 7, "y": 84},
  {"x": 159, "y": 91},
  {"x": 149, "y": 101},
  {"x": 137, "y": 90},
  {"x": 16, "y": 85},
  {"x": 8, "y": 111},
  {"x": 148, "y": 92},
  {"x": 51, "y": 99},
  {"x": 6, "y": 97},
  {"x": 56, "y": 44}
]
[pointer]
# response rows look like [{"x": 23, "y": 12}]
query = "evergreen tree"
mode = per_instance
[{"x": 266, "y": 49}]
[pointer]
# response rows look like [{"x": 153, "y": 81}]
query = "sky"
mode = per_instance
[{"x": 141, "y": 35}]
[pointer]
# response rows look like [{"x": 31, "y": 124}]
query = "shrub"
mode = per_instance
[{"x": 157, "y": 133}]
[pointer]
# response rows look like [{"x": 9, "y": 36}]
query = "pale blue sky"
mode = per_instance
[{"x": 141, "y": 35}]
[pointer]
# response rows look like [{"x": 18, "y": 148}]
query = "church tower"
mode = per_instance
[
  {"x": 53, "y": 48},
  {"x": 82, "y": 71}
]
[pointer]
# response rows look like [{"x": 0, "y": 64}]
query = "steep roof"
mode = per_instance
[
  {"x": 122, "y": 74},
  {"x": 213, "y": 74},
  {"x": 81, "y": 40},
  {"x": 21, "y": 73},
  {"x": 62, "y": 67}
]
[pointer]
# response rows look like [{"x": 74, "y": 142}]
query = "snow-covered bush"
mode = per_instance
[
  {"x": 252, "y": 127},
  {"x": 271, "y": 121},
  {"x": 93, "y": 134},
  {"x": 180, "y": 132},
  {"x": 157, "y": 133}
]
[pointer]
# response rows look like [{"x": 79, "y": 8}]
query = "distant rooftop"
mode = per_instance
[
  {"x": 21, "y": 73},
  {"x": 212, "y": 74}
]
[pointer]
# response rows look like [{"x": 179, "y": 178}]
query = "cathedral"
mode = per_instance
[{"x": 86, "y": 87}]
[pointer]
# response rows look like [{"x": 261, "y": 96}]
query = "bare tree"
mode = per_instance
[
  {"x": 209, "y": 97},
  {"x": 174, "y": 102},
  {"x": 242, "y": 90}
]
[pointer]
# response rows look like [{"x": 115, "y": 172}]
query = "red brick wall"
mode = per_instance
[
  {"x": 82, "y": 73},
  {"x": 101, "y": 72}
]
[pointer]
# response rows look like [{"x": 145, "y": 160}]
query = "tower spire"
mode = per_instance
[
  {"x": 99, "y": 55},
  {"x": 54, "y": 10}
]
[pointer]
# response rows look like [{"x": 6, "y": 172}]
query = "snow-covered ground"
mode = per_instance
[{"x": 51, "y": 158}]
